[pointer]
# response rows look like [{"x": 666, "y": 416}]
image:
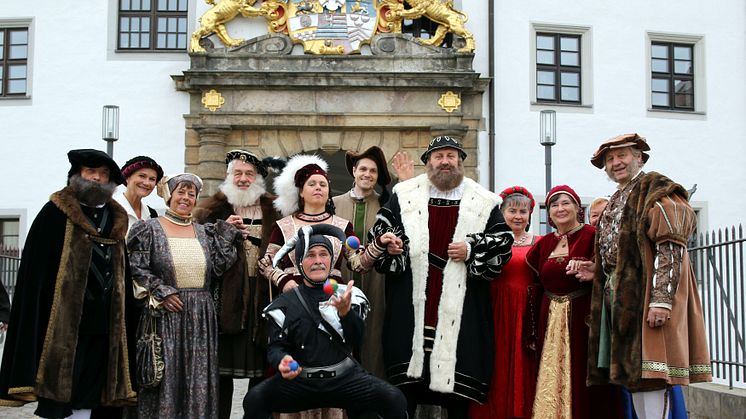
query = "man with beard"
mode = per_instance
[
  {"x": 437, "y": 336},
  {"x": 240, "y": 295},
  {"x": 66, "y": 344},
  {"x": 646, "y": 326}
]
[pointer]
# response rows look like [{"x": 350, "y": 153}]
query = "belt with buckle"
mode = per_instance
[{"x": 328, "y": 371}]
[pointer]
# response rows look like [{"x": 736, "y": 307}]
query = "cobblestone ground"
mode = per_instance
[
  {"x": 27, "y": 411},
  {"x": 240, "y": 386}
]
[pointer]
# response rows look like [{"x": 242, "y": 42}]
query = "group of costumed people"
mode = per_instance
[{"x": 366, "y": 304}]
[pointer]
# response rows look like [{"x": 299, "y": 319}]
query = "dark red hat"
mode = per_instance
[
  {"x": 141, "y": 162},
  {"x": 564, "y": 189},
  {"x": 305, "y": 172},
  {"x": 519, "y": 190}
]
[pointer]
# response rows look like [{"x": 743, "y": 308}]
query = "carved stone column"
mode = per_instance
[{"x": 211, "y": 166}]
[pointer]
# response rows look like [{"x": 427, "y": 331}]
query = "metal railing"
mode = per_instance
[
  {"x": 8, "y": 272},
  {"x": 718, "y": 261}
]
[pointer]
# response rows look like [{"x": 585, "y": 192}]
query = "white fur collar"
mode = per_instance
[{"x": 476, "y": 205}]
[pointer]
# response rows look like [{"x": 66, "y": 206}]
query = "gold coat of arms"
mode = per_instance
[{"x": 332, "y": 26}]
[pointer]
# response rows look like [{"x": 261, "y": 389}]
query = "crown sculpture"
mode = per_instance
[{"x": 333, "y": 26}]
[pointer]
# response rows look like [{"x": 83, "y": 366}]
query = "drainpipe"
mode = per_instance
[{"x": 491, "y": 93}]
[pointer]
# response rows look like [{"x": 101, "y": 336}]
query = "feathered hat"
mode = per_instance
[{"x": 285, "y": 184}]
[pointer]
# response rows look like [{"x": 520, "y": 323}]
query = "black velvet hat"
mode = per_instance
[
  {"x": 142, "y": 162},
  {"x": 88, "y": 157},
  {"x": 443, "y": 141},
  {"x": 247, "y": 157}
]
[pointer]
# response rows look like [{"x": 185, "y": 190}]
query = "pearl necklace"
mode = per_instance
[{"x": 521, "y": 241}]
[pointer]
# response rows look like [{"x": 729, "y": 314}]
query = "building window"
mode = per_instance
[
  {"x": 9, "y": 234},
  {"x": 14, "y": 62},
  {"x": 558, "y": 63},
  {"x": 672, "y": 80},
  {"x": 152, "y": 25}
]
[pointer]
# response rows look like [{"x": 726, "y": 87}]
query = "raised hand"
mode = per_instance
[
  {"x": 403, "y": 166},
  {"x": 344, "y": 302}
]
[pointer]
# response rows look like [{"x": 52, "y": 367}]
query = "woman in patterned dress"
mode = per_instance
[{"x": 173, "y": 261}]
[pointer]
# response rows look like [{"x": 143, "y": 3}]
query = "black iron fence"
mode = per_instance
[
  {"x": 8, "y": 271},
  {"x": 718, "y": 261}
]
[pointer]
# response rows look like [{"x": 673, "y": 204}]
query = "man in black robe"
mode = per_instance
[{"x": 67, "y": 346}]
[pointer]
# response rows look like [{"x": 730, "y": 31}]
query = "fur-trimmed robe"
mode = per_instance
[
  {"x": 645, "y": 358},
  {"x": 463, "y": 352},
  {"x": 48, "y": 302},
  {"x": 241, "y": 308}
]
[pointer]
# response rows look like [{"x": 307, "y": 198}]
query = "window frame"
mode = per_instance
[
  {"x": 558, "y": 69},
  {"x": 585, "y": 48},
  {"x": 671, "y": 76},
  {"x": 153, "y": 15},
  {"x": 7, "y": 25},
  {"x": 697, "y": 42}
]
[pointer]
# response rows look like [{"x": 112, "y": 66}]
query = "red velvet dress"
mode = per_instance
[
  {"x": 551, "y": 273},
  {"x": 511, "y": 392},
  {"x": 585, "y": 402}
]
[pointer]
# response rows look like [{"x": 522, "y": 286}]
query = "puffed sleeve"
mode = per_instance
[
  {"x": 224, "y": 240},
  {"x": 388, "y": 220},
  {"x": 491, "y": 249},
  {"x": 145, "y": 283},
  {"x": 285, "y": 271},
  {"x": 672, "y": 221}
]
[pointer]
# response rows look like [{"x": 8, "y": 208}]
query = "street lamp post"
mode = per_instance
[
  {"x": 110, "y": 127},
  {"x": 548, "y": 138}
]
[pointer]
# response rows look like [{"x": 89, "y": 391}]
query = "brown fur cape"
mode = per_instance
[
  {"x": 634, "y": 272},
  {"x": 47, "y": 306}
]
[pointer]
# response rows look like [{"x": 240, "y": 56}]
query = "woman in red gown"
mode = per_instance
[
  {"x": 563, "y": 335},
  {"x": 514, "y": 377}
]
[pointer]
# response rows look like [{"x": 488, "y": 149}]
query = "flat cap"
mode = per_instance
[{"x": 624, "y": 140}]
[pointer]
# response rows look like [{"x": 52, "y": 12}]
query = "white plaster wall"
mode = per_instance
[
  {"x": 706, "y": 150},
  {"x": 75, "y": 72},
  {"x": 73, "y": 75}
]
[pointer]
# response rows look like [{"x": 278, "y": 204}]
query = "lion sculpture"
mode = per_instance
[
  {"x": 442, "y": 13},
  {"x": 213, "y": 21}
]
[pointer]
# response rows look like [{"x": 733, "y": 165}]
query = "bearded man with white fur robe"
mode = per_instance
[{"x": 437, "y": 337}]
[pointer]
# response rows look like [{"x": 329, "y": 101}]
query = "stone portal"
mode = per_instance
[{"x": 261, "y": 97}]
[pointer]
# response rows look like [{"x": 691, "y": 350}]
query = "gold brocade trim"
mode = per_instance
[
  {"x": 11, "y": 403},
  {"x": 553, "y": 386},
  {"x": 23, "y": 393},
  {"x": 677, "y": 372},
  {"x": 698, "y": 369}
]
